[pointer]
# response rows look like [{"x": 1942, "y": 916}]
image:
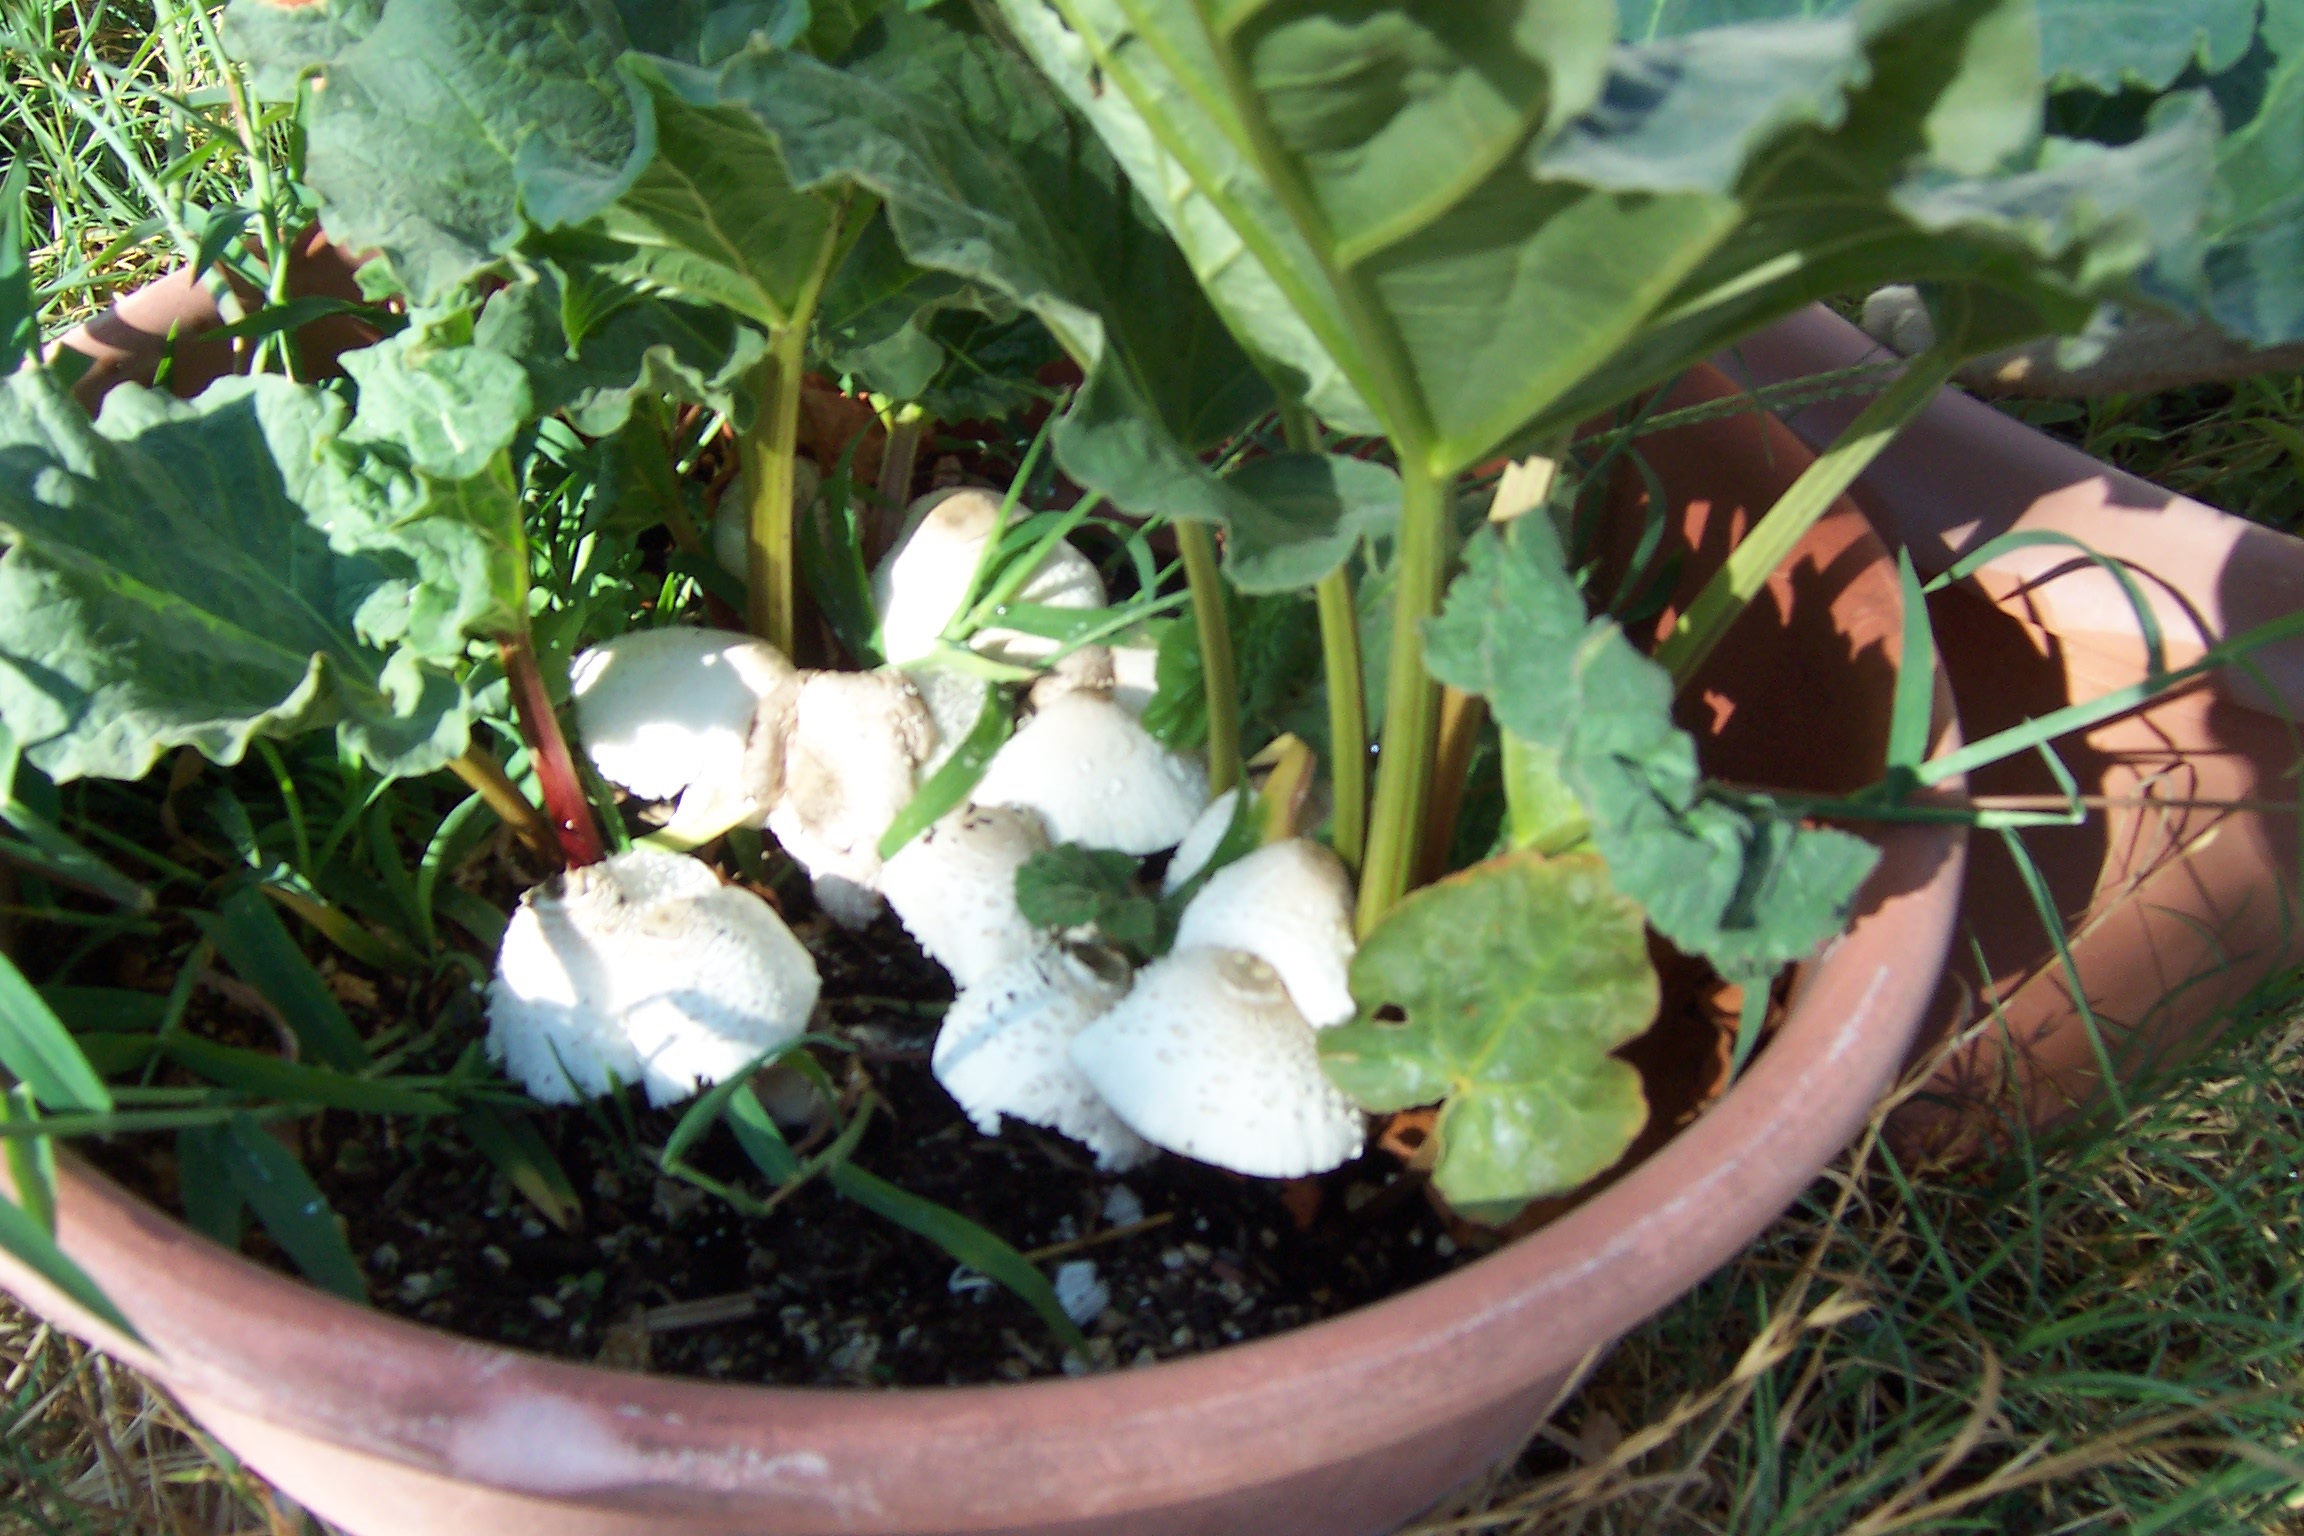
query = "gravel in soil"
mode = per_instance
[{"x": 1163, "y": 1261}]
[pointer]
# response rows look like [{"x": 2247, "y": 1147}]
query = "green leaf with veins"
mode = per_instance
[
  {"x": 444, "y": 122},
  {"x": 202, "y": 573},
  {"x": 1498, "y": 994},
  {"x": 1747, "y": 889},
  {"x": 984, "y": 176},
  {"x": 712, "y": 216},
  {"x": 641, "y": 346},
  {"x": 1317, "y": 507},
  {"x": 447, "y": 406},
  {"x": 1071, "y": 886},
  {"x": 2255, "y": 264},
  {"x": 707, "y": 31},
  {"x": 1472, "y": 224}
]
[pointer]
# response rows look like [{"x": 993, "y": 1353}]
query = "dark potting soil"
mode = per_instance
[{"x": 659, "y": 1275}]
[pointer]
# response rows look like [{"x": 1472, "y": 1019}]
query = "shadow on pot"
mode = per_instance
[{"x": 2179, "y": 894}]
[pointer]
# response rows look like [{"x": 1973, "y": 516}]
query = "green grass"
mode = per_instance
[{"x": 2100, "y": 1335}]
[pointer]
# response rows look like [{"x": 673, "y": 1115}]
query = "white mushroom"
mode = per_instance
[
  {"x": 955, "y": 888},
  {"x": 1135, "y": 676},
  {"x": 1200, "y": 843},
  {"x": 850, "y": 751},
  {"x": 954, "y": 700},
  {"x": 732, "y": 518},
  {"x": 643, "y": 968},
  {"x": 1003, "y": 1050},
  {"x": 1207, "y": 1057},
  {"x": 1290, "y": 904},
  {"x": 1096, "y": 777},
  {"x": 920, "y": 585},
  {"x": 667, "y": 712}
]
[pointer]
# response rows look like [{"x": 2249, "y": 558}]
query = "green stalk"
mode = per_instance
[
  {"x": 1340, "y": 658},
  {"x": 1198, "y": 548},
  {"x": 765, "y": 454},
  {"x": 1773, "y": 538},
  {"x": 1412, "y": 697}
]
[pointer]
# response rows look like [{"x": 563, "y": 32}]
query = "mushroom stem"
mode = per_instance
[
  {"x": 1198, "y": 547},
  {"x": 564, "y": 799},
  {"x": 1412, "y": 697},
  {"x": 478, "y": 768}
]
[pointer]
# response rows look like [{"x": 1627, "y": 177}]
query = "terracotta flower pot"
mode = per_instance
[
  {"x": 1344, "y": 1428},
  {"x": 2181, "y": 895}
]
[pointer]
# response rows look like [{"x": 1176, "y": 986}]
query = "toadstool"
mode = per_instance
[
  {"x": 666, "y": 713},
  {"x": 1290, "y": 904},
  {"x": 852, "y": 746},
  {"x": 1096, "y": 777},
  {"x": 1206, "y": 1056},
  {"x": 954, "y": 886},
  {"x": 643, "y": 968},
  {"x": 921, "y": 583},
  {"x": 1004, "y": 1050}
]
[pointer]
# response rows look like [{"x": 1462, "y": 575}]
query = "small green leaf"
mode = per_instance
[
  {"x": 290, "y": 1206},
  {"x": 1544, "y": 813},
  {"x": 40, "y": 1053},
  {"x": 1512, "y": 983},
  {"x": 1069, "y": 886},
  {"x": 1738, "y": 883},
  {"x": 1312, "y": 511},
  {"x": 518, "y": 1151},
  {"x": 29, "y": 1244},
  {"x": 446, "y": 404},
  {"x": 256, "y": 944}
]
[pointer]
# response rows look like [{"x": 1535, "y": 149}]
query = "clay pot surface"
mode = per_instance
[
  {"x": 2181, "y": 896},
  {"x": 1343, "y": 1428}
]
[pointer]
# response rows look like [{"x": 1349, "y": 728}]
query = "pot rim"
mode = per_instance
[{"x": 524, "y": 1423}]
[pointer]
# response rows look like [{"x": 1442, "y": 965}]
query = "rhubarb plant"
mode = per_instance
[{"x": 1190, "y": 700}]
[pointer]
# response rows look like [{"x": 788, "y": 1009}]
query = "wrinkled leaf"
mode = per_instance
[
  {"x": 1315, "y": 510},
  {"x": 1547, "y": 224},
  {"x": 447, "y": 406},
  {"x": 645, "y": 346},
  {"x": 1735, "y": 883},
  {"x": 444, "y": 122},
  {"x": 2111, "y": 43},
  {"x": 985, "y": 177},
  {"x": 1070, "y": 886},
  {"x": 2255, "y": 264},
  {"x": 202, "y": 573},
  {"x": 1512, "y": 982}
]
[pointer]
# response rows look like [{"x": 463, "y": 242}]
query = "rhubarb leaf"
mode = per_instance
[
  {"x": 1719, "y": 877},
  {"x": 1498, "y": 994},
  {"x": 1317, "y": 508},
  {"x": 202, "y": 573}
]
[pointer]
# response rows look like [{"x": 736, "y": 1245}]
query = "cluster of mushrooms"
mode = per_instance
[{"x": 648, "y": 968}]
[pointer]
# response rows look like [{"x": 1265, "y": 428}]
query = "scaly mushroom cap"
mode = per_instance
[
  {"x": 1207, "y": 1057},
  {"x": 921, "y": 583},
  {"x": 853, "y": 743},
  {"x": 643, "y": 968},
  {"x": 1096, "y": 777},
  {"x": 1290, "y": 904},
  {"x": 659, "y": 710},
  {"x": 732, "y": 518},
  {"x": 1003, "y": 1050},
  {"x": 955, "y": 888}
]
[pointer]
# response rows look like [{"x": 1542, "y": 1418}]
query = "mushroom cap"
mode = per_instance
[
  {"x": 1096, "y": 777},
  {"x": 643, "y": 968},
  {"x": 920, "y": 584},
  {"x": 1004, "y": 1050},
  {"x": 954, "y": 700},
  {"x": 659, "y": 710},
  {"x": 854, "y": 741},
  {"x": 1207, "y": 1057},
  {"x": 1200, "y": 844},
  {"x": 1135, "y": 676},
  {"x": 955, "y": 888},
  {"x": 1290, "y": 904},
  {"x": 732, "y": 517}
]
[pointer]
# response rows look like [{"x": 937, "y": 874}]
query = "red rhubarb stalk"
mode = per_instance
[{"x": 564, "y": 799}]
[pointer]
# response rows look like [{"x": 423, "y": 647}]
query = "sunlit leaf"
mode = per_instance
[
  {"x": 39, "y": 1051},
  {"x": 1498, "y": 994}
]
